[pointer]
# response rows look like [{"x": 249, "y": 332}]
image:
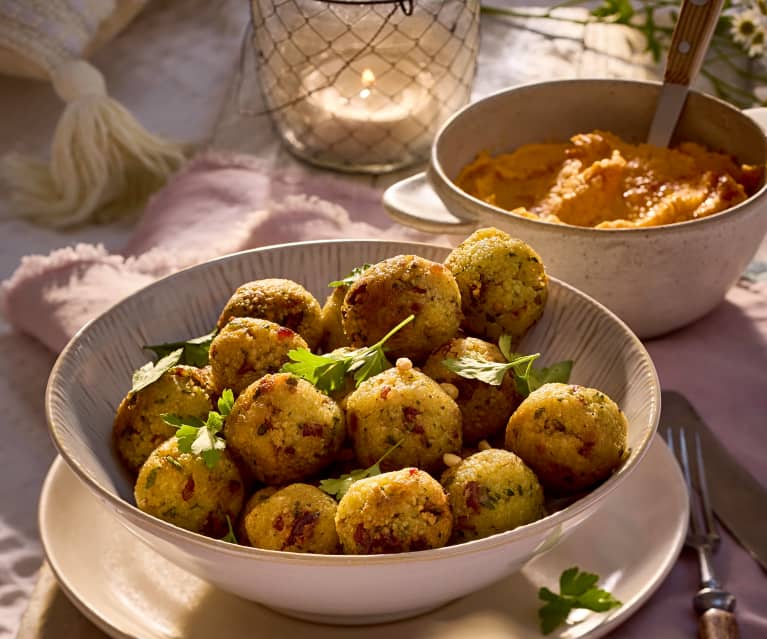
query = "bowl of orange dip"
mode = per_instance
[{"x": 658, "y": 235}]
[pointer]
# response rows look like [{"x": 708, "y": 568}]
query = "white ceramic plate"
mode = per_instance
[{"x": 128, "y": 590}]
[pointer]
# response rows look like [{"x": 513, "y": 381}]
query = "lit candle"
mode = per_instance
[{"x": 369, "y": 117}]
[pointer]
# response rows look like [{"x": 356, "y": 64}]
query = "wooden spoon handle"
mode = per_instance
[
  {"x": 689, "y": 42},
  {"x": 717, "y": 624}
]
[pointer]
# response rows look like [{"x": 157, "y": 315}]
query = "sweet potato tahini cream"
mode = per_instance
[{"x": 598, "y": 180}]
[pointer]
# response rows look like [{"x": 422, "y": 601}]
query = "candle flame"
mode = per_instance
[{"x": 368, "y": 78}]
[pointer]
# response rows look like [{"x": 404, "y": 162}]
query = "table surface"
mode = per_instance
[{"x": 205, "y": 93}]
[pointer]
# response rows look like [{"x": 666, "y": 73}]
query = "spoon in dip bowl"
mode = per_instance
[{"x": 689, "y": 43}]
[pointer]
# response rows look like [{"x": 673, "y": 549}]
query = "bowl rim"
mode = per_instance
[
  {"x": 436, "y": 172},
  {"x": 168, "y": 531}
]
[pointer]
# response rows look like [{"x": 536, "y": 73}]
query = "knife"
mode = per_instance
[
  {"x": 689, "y": 43},
  {"x": 738, "y": 499}
]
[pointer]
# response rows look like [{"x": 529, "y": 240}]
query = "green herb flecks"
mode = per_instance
[
  {"x": 328, "y": 372},
  {"x": 230, "y": 536},
  {"x": 194, "y": 351},
  {"x": 351, "y": 278},
  {"x": 202, "y": 438},
  {"x": 576, "y": 590},
  {"x": 338, "y": 487}
]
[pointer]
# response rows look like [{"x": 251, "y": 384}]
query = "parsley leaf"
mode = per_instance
[
  {"x": 225, "y": 402},
  {"x": 577, "y": 590},
  {"x": 328, "y": 372},
  {"x": 489, "y": 372},
  {"x": 559, "y": 372},
  {"x": 534, "y": 378},
  {"x": 150, "y": 372},
  {"x": 230, "y": 536},
  {"x": 338, "y": 487},
  {"x": 202, "y": 438},
  {"x": 351, "y": 278},
  {"x": 194, "y": 351}
]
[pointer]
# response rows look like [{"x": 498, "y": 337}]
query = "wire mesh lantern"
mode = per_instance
[{"x": 364, "y": 86}]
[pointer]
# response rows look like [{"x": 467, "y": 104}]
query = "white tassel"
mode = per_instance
[{"x": 103, "y": 162}]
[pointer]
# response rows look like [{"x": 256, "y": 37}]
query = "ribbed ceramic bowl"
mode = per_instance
[
  {"x": 93, "y": 374},
  {"x": 656, "y": 279}
]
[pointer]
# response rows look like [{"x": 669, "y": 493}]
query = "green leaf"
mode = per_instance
[
  {"x": 339, "y": 486},
  {"x": 471, "y": 368},
  {"x": 573, "y": 582},
  {"x": 230, "y": 536},
  {"x": 328, "y": 372},
  {"x": 150, "y": 372},
  {"x": 576, "y": 590},
  {"x": 199, "y": 438},
  {"x": 597, "y": 600},
  {"x": 489, "y": 372},
  {"x": 225, "y": 402},
  {"x": 368, "y": 365},
  {"x": 504, "y": 344},
  {"x": 186, "y": 435},
  {"x": 553, "y": 614},
  {"x": 351, "y": 278},
  {"x": 194, "y": 351}
]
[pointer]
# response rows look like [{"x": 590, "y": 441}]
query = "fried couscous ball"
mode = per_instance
[
  {"x": 182, "y": 490},
  {"x": 262, "y": 494},
  {"x": 390, "y": 291},
  {"x": 247, "y": 348},
  {"x": 333, "y": 335},
  {"x": 297, "y": 518},
  {"x": 139, "y": 427},
  {"x": 490, "y": 492},
  {"x": 403, "y": 405},
  {"x": 283, "y": 302},
  {"x": 485, "y": 409},
  {"x": 399, "y": 511},
  {"x": 503, "y": 284},
  {"x": 284, "y": 429},
  {"x": 572, "y": 437}
]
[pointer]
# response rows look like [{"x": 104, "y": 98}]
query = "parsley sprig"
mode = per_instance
[
  {"x": 193, "y": 352},
  {"x": 576, "y": 590},
  {"x": 351, "y": 278},
  {"x": 202, "y": 438},
  {"x": 339, "y": 486},
  {"x": 526, "y": 377},
  {"x": 328, "y": 372}
]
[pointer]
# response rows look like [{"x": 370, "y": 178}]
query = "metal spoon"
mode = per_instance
[{"x": 689, "y": 43}]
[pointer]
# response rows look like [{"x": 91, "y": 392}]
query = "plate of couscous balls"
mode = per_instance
[{"x": 401, "y": 413}]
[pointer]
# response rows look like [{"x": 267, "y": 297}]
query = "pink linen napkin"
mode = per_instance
[{"x": 220, "y": 203}]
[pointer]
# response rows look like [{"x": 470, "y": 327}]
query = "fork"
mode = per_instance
[{"x": 714, "y": 604}]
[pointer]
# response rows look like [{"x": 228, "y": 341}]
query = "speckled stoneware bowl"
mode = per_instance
[
  {"x": 93, "y": 374},
  {"x": 656, "y": 279}
]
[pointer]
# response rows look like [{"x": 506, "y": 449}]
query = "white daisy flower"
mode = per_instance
[{"x": 744, "y": 25}]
